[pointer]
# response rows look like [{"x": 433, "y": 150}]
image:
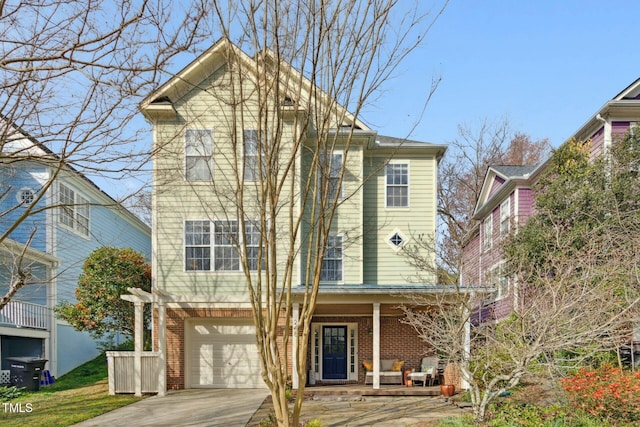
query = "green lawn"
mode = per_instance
[{"x": 77, "y": 396}]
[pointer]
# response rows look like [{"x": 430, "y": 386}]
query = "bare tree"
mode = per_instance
[
  {"x": 71, "y": 74},
  {"x": 576, "y": 267},
  {"x": 285, "y": 113},
  {"x": 461, "y": 176}
]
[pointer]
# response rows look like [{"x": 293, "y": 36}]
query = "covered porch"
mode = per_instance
[{"x": 357, "y": 334}]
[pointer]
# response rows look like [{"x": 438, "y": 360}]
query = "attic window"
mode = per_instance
[
  {"x": 287, "y": 102},
  {"x": 25, "y": 196},
  {"x": 162, "y": 100}
]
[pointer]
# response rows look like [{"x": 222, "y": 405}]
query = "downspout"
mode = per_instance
[
  {"x": 606, "y": 144},
  {"x": 607, "y": 137}
]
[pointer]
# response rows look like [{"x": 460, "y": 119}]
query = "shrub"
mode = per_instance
[
  {"x": 606, "y": 393},
  {"x": 524, "y": 415},
  {"x": 8, "y": 393}
]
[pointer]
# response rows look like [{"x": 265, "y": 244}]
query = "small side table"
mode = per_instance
[
  {"x": 406, "y": 377},
  {"x": 419, "y": 376}
]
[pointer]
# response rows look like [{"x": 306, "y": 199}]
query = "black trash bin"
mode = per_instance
[{"x": 25, "y": 372}]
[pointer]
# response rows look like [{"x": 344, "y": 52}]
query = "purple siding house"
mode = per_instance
[{"x": 506, "y": 201}]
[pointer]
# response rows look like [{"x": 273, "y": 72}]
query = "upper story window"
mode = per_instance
[
  {"x": 25, "y": 196},
  {"x": 487, "y": 235},
  {"x": 396, "y": 240},
  {"x": 505, "y": 218},
  {"x": 198, "y": 155},
  {"x": 252, "y": 156},
  {"x": 499, "y": 280},
  {"x": 254, "y": 244},
  {"x": 73, "y": 210},
  {"x": 332, "y": 262},
  {"x": 397, "y": 185},
  {"x": 225, "y": 241},
  {"x": 197, "y": 238},
  {"x": 202, "y": 253},
  {"x": 331, "y": 168}
]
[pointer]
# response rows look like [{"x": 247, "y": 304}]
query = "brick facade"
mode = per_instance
[
  {"x": 175, "y": 337},
  {"x": 397, "y": 341}
]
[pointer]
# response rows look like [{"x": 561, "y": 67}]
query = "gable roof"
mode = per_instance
[
  {"x": 23, "y": 144},
  {"x": 624, "y": 105},
  {"x": 513, "y": 171},
  {"x": 160, "y": 101},
  {"x": 511, "y": 176},
  {"x": 391, "y": 142}
]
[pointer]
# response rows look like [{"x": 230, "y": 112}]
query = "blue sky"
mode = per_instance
[{"x": 546, "y": 65}]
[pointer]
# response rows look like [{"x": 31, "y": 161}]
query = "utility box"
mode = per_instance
[{"x": 25, "y": 372}]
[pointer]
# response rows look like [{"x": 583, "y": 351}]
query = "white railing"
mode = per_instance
[
  {"x": 121, "y": 370},
  {"x": 25, "y": 315}
]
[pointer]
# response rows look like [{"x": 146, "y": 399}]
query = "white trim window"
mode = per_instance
[
  {"x": 225, "y": 244},
  {"x": 397, "y": 185},
  {"x": 25, "y": 196},
  {"x": 487, "y": 235},
  {"x": 253, "y": 244},
  {"x": 202, "y": 253},
  {"x": 198, "y": 155},
  {"x": 332, "y": 263},
  {"x": 197, "y": 235},
  {"x": 251, "y": 148},
  {"x": 505, "y": 218},
  {"x": 74, "y": 210},
  {"x": 331, "y": 164},
  {"x": 499, "y": 280},
  {"x": 396, "y": 240}
]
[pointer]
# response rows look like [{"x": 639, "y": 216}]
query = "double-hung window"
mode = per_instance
[
  {"x": 330, "y": 170},
  {"x": 397, "y": 176},
  {"x": 253, "y": 244},
  {"x": 204, "y": 252},
  {"x": 487, "y": 234},
  {"x": 505, "y": 218},
  {"x": 225, "y": 243},
  {"x": 499, "y": 280},
  {"x": 197, "y": 236},
  {"x": 74, "y": 210},
  {"x": 251, "y": 155},
  {"x": 332, "y": 262},
  {"x": 198, "y": 155}
]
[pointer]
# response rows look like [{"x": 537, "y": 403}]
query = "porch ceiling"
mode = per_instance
[{"x": 355, "y": 310}]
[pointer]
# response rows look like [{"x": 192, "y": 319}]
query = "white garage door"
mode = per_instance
[{"x": 222, "y": 353}]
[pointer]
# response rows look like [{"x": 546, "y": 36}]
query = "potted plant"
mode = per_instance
[{"x": 451, "y": 376}]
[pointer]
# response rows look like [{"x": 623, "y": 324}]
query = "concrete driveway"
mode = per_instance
[{"x": 228, "y": 407}]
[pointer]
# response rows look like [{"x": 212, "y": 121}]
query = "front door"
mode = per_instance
[{"x": 334, "y": 352}]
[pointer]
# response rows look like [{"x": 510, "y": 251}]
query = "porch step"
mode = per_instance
[{"x": 359, "y": 390}]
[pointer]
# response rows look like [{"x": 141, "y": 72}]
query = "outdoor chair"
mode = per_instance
[{"x": 428, "y": 371}]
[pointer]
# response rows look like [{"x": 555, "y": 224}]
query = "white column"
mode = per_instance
[
  {"x": 467, "y": 341},
  {"x": 295, "y": 379},
  {"x": 138, "y": 347},
  {"x": 467, "y": 349},
  {"x": 376, "y": 345},
  {"x": 161, "y": 333}
]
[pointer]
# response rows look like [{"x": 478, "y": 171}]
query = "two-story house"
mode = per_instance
[
  {"x": 506, "y": 201},
  {"x": 62, "y": 217},
  {"x": 207, "y": 337}
]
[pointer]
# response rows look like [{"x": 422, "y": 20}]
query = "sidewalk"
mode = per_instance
[{"x": 376, "y": 411}]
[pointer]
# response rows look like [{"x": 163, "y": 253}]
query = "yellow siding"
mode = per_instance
[
  {"x": 177, "y": 200},
  {"x": 383, "y": 264},
  {"x": 362, "y": 219}
]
